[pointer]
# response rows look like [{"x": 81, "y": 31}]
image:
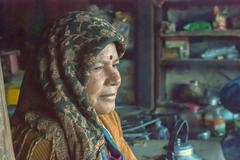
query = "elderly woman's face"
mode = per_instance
[{"x": 104, "y": 80}]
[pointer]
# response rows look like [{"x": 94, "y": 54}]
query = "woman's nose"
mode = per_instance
[{"x": 113, "y": 78}]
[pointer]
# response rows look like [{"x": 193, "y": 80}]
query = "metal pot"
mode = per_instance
[{"x": 189, "y": 92}]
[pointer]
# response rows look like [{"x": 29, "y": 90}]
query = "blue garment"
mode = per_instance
[
  {"x": 229, "y": 95},
  {"x": 112, "y": 147},
  {"x": 231, "y": 146}
]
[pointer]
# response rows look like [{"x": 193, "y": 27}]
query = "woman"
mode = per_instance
[{"x": 66, "y": 106}]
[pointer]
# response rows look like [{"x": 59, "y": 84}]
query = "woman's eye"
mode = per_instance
[
  {"x": 98, "y": 68},
  {"x": 116, "y": 65}
]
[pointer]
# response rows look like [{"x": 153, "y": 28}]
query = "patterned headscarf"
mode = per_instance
[{"x": 54, "y": 97}]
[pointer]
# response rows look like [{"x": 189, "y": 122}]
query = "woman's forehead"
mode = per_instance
[{"x": 108, "y": 53}]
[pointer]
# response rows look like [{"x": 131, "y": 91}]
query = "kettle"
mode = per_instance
[{"x": 178, "y": 148}]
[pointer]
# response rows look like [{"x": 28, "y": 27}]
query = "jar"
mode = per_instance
[{"x": 215, "y": 121}]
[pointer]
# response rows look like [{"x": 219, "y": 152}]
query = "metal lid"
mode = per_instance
[{"x": 182, "y": 149}]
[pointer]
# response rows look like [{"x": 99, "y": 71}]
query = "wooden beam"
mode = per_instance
[{"x": 6, "y": 147}]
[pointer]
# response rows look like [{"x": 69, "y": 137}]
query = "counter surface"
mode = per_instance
[{"x": 208, "y": 150}]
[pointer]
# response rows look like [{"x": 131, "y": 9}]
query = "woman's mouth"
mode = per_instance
[{"x": 108, "y": 97}]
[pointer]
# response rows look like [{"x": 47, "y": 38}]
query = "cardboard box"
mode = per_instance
[{"x": 181, "y": 43}]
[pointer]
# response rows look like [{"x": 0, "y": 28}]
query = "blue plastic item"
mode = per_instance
[{"x": 215, "y": 52}]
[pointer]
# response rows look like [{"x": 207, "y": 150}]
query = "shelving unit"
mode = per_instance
[{"x": 170, "y": 72}]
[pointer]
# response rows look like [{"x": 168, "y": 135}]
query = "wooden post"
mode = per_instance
[{"x": 6, "y": 147}]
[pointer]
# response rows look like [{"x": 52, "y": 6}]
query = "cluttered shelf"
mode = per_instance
[
  {"x": 178, "y": 62},
  {"x": 214, "y": 33}
]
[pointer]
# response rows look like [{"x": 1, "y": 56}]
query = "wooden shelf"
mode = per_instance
[
  {"x": 191, "y": 62},
  {"x": 109, "y": 1},
  {"x": 217, "y": 33},
  {"x": 193, "y": 1},
  {"x": 201, "y": 2}
]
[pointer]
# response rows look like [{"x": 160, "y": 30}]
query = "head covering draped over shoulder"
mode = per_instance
[{"x": 54, "y": 97}]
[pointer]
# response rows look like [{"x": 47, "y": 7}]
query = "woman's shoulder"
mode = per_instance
[
  {"x": 41, "y": 149},
  {"x": 32, "y": 145},
  {"x": 38, "y": 138}
]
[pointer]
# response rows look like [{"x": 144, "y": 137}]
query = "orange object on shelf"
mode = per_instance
[{"x": 12, "y": 94}]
